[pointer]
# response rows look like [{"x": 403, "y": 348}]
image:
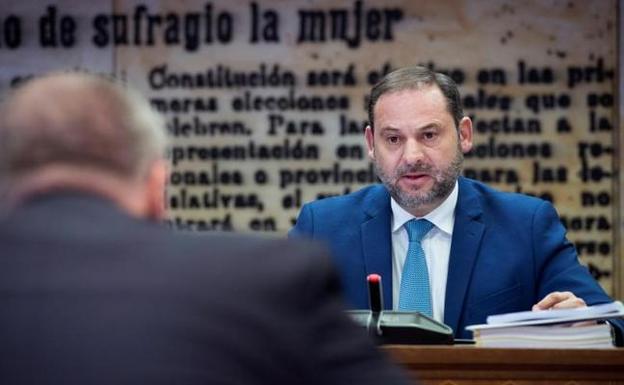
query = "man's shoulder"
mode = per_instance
[
  {"x": 257, "y": 266},
  {"x": 490, "y": 197},
  {"x": 231, "y": 249}
]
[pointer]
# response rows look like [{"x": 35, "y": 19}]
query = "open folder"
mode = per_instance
[{"x": 554, "y": 316}]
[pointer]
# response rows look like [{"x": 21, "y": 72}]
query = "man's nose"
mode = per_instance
[{"x": 413, "y": 152}]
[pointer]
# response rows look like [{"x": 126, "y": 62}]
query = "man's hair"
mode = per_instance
[
  {"x": 417, "y": 77},
  {"x": 78, "y": 120}
]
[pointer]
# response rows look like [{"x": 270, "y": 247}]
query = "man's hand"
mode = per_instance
[{"x": 559, "y": 300}]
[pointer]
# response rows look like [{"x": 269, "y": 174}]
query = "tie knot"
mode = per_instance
[{"x": 417, "y": 229}]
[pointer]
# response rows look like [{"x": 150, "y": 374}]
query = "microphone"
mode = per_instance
[
  {"x": 375, "y": 296},
  {"x": 397, "y": 327},
  {"x": 375, "y": 302}
]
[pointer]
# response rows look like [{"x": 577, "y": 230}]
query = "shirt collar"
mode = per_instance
[{"x": 443, "y": 216}]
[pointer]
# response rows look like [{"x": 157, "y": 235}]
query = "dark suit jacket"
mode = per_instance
[
  {"x": 508, "y": 251},
  {"x": 89, "y": 295}
]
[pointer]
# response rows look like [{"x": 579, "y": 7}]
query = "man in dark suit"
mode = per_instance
[
  {"x": 481, "y": 252},
  {"x": 94, "y": 291}
]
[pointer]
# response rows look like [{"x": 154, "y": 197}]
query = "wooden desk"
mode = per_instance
[{"x": 462, "y": 365}]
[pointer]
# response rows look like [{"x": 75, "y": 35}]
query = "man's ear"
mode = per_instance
[
  {"x": 465, "y": 134},
  {"x": 155, "y": 190},
  {"x": 369, "y": 134}
]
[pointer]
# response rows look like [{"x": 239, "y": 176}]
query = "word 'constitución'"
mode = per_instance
[
  {"x": 287, "y": 149},
  {"x": 265, "y": 76}
]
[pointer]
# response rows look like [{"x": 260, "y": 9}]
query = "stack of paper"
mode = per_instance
[{"x": 559, "y": 328}]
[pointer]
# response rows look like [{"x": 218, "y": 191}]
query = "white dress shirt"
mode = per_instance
[{"x": 436, "y": 245}]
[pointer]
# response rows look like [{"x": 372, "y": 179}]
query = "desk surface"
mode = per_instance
[{"x": 488, "y": 366}]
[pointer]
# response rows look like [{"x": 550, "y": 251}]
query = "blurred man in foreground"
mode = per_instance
[{"x": 93, "y": 290}]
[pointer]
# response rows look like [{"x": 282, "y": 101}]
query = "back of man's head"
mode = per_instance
[{"x": 77, "y": 131}]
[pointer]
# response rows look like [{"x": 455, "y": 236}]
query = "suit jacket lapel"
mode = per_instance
[
  {"x": 467, "y": 233},
  {"x": 376, "y": 240}
]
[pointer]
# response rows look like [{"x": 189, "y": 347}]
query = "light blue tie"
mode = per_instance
[{"x": 415, "y": 294}]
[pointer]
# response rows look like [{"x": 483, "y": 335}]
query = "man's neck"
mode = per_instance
[
  {"x": 123, "y": 193},
  {"x": 442, "y": 215}
]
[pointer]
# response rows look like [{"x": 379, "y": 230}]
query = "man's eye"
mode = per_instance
[
  {"x": 393, "y": 139},
  {"x": 429, "y": 135}
]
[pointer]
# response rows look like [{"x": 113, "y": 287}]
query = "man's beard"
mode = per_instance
[{"x": 443, "y": 182}]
